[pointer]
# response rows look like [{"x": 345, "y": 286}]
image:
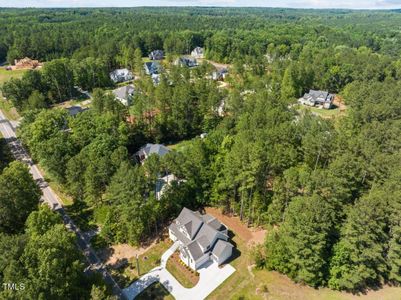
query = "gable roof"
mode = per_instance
[
  {"x": 220, "y": 247},
  {"x": 74, "y": 110},
  {"x": 121, "y": 75},
  {"x": 207, "y": 234},
  {"x": 198, "y": 51},
  {"x": 319, "y": 96},
  {"x": 190, "y": 221},
  {"x": 124, "y": 92},
  {"x": 195, "y": 250},
  {"x": 158, "y": 149},
  {"x": 186, "y": 62},
  {"x": 152, "y": 67}
]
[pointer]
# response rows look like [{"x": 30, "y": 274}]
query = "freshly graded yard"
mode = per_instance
[
  {"x": 248, "y": 283},
  {"x": 128, "y": 273},
  {"x": 155, "y": 291}
]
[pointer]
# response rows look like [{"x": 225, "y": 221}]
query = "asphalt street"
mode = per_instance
[{"x": 49, "y": 196}]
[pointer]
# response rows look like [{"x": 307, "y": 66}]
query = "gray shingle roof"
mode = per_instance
[
  {"x": 121, "y": 75},
  {"x": 158, "y": 149},
  {"x": 220, "y": 247},
  {"x": 124, "y": 92},
  {"x": 152, "y": 67},
  {"x": 203, "y": 230},
  {"x": 319, "y": 96},
  {"x": 190, "y": 221},
  {"x": 208, "y": 233},
  {"x": 195, "y": 250},
  {"x": 173, "y": 227}
]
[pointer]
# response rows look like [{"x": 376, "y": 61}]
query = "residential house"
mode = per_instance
[
  {"x": 202, "y": 238},
  {"x": 220, "y": 74},
  {"x": 186, "y": 62},
  {"x": 143, "y": 153},
  {"x": 124, "y": 94},
  {"x": 156, "y": 79},
  {"x": 221, "y": 108},
  {"x": 121, "y": 75},
  {"x": 321, "y": 99},
  {"x": 152, "y": 67},
  {"x": 164, "y": 182},
  {"x": 156, "y": 55},
  {"x": 198, "y": 52},
  {"x": 26, "y": 63},
  {"x": 74, "y": 110}
]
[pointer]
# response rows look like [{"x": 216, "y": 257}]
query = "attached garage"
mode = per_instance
[{"x": 222, "y": 251}]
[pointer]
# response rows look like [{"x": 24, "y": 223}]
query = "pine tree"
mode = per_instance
[{"x": 359, "y": 257}]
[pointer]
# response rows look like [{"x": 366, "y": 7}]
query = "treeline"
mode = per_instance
[
  {"x": 326, "y": 188},
  {"x": 56, "y": 82},
  {"x": 39, "y": 257},
  {"x": 228, "y": 34},
  {"x": 91, "y": 154}
]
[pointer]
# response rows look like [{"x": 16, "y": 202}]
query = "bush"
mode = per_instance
[{"x": 259, "y": 256}]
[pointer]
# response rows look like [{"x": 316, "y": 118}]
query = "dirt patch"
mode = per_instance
[
  {"x": 248, "y": 235},
  {"x": 122, "y": 252},
  {"x": 339, "y": 102}
]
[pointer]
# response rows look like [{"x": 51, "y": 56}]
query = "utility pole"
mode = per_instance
[{"x": 137, "y": 265}]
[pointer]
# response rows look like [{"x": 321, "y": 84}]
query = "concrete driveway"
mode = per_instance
[{"x": 210, "y": 277}]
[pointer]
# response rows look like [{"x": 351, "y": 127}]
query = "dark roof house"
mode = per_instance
[
  {"x": 156, "y": 55},
  {"x": 152, "y": 67},
  {"x": 186, "y": 62}
]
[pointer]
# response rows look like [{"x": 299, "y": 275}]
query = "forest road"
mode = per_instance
[{"x": 50, "y": 197}]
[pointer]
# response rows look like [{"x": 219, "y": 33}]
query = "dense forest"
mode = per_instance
[{"x": 327, "y": 189}]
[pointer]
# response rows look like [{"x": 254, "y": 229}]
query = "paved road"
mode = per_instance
[
  {"x": 210, "y": 277},
  {"x": 8, "y": 131}
]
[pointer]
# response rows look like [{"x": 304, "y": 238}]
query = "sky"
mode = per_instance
[{"x": 355, "y": 4}]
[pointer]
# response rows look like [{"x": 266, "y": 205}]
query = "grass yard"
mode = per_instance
[
  {"x": 155, "y": 291},
  {"x": 181, "y": 272},
  {"x": 180, "y": 146},
  {"x": 7, "y": 108},
  {"x": 324, "y": 113},
  {"x": 151, "y": 258}
]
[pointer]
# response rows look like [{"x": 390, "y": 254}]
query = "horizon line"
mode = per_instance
[{"x": 201, "y": 6}]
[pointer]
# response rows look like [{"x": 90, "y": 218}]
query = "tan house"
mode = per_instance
[{"x": 26, "y": 63}]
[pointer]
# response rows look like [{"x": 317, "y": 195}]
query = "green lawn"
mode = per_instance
[
  {"x": 324, "y": 113},
  {"x": 6, "y": 106},
  {"x": 6, "y": 75},
  {"x": 180, "y": 146},
  {"x": 155, "y": 291},
  {"x": 151, "y": 258}
]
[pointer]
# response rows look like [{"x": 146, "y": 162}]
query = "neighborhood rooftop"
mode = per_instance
[{"x": 197, "y": 235}]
